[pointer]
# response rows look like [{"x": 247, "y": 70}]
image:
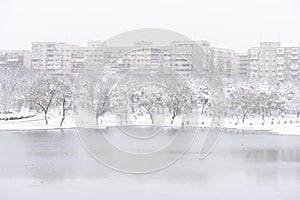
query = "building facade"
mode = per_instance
[
  {"x": 241, "y": 66},
  {"x": 14, "y": 58},
  {"x": 57, "y": 57},
  {"x": 224, "y": 61},
  {"x": 270, "y": 61},
  {"x": 48, "y": 57}
]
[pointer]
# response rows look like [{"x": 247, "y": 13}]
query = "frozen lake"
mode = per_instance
[{"x": 54, "y": 165}]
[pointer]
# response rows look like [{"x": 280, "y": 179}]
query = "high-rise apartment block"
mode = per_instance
[
  {"x": 223, "y": 60},
  {"x": 15, "y": 58},
  {"x": 268, "y": 61},
  {"x": 272, "y": 62},
  {"x": 48, "y": 56},
  {"x": 241, "y": 66}
]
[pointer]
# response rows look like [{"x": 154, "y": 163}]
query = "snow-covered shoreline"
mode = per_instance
[
  {"x": 36, "y": 123},
  {"x": 287, "y": 126}
]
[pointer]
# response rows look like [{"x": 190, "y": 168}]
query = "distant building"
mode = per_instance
[
  {"x": 268, "y": 61},
  {"x": 116, "y": 59},
  {"x": 14, "y": 58},
  {"x": 107, "y": 59},
  {"x": 48, "y": 57},
  {"x": 191, "y": 58},
  {"x": 262, "y": 61},
  {"x": 186, "y": 58},
  {"x": 224, "y": 61},
  {"x": 146, "y": 60},
  {"x": 199, "y": 57},
  {"x": 288, "y": 62},
  {"x": 272, "y": 62},
  {"x": 241, "y": 66},
  {"x": 57, "y": 57},
  {"x": 78, "y": 58}
]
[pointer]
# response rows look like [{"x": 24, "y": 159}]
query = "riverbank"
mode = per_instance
[
  {"x": 37, "y": 123},
  {"x": 283, "y": 126}
]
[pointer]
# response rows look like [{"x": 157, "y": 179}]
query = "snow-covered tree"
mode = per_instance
[
  {"x": 201, "y": 96},
  {"x": 10, "y": 89},
  {"x": 100, "y": 97},
  {"x": 148, "y": 99},
  {"x": 182, "y": 98},
  {"x": 41, "y": 94},
  {"x": 291, "y": 95},
  {"x": 253, "y": 98},
  {"x": 63, "y": 95}
]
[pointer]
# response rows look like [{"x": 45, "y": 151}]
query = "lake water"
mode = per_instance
[{"x": 54, "y": 165}]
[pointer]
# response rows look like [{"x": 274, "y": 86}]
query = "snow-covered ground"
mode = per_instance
[
  {"x": 35, "y": 123},
  {"x": 285, "y": 126}
]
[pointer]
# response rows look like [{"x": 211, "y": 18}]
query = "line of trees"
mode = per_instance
[
  {"x": 35, "y": 91},
  {"x": 261, "y": 98},
  {"x": 43, "y": 93}
]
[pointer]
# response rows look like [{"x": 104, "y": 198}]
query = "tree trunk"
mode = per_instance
[
  {"x": 133, "y": 112},
  {"x": 63, "y": 118},
  {"x": 64, "y": 113},
  {"x": 152, "y": 121},
  {"x": 244, "y": 116},
  {"x": 46, "y": 119},
  {"x": 97, "y": 123},
  {"x": 173, "y": 116},
  {"x": 202, "y": 110},
  {"x": 238, "y": 119}
]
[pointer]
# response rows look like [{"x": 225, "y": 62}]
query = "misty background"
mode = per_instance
[{"x": 230, "y": 24}]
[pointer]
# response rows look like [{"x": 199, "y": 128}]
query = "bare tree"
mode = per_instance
[
  {"x": 41, "y": 94},
  {"x": 64, "y": 95}
]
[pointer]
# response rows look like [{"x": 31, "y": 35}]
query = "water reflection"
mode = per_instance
[
  {"x": 52, "y": 156},
  {"x": 268, "y": 155}
]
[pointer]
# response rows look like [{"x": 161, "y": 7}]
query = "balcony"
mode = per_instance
[{"x": 294, "y": 57}]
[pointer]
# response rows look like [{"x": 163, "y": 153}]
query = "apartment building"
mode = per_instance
[
  {"x": 14, "y": 58},
  {"x": 186, "y": 58},
  {"x": 191, "y": 58},
  {"x": 48, "y": 57},
  {"x": 270, "y": 61},
  {"x": 95, "y": 53},
  {"x": 57, "y": 57},
  {"x": 202, "y": 57},
  {"x": 139, "y": 58},
  {"x": 223, "y": 60},
  {"x": 241, "y": 66},
  {"x": 146, "y": 60},
  {"x": 288, "y": 62}
]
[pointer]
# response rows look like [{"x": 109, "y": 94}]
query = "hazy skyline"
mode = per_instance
[{"x": 230, "y": 24}]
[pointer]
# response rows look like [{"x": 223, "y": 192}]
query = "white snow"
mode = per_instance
[
  {"x": 287, "y": 126},
  {"x": 35, "y": 123}
]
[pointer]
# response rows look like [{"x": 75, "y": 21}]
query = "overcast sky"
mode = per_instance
[{"x": 235, "y": 24}]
